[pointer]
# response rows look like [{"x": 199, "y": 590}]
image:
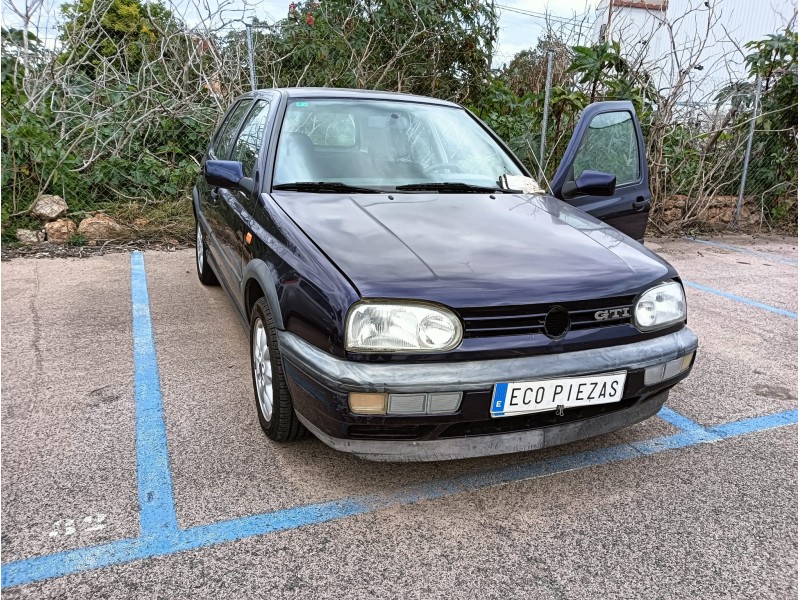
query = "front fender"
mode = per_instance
[
  {"x": 309, "y": 296},
  {"x": 259, "y": 272},
  {"x": 195, "y": 201}
]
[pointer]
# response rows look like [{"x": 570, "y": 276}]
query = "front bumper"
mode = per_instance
[
  {"x": 319, "y": 383},
  {"x": 488, "y": 445}
]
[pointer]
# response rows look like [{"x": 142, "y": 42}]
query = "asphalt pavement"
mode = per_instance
[{"x": 700, "y": 501}]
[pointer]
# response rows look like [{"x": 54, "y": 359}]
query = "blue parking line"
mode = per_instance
[
  {"x": 728, "y": 430},
  {"x": 742, "y": 299},
  {"x": 156, "y": 503},
  {"x": 128, "y": 550},
  {"x": 765, "y": 255},
  {"x": 678, "y": 420},
  {"x": 85, "y": 559},
  {"x": 160, "y": 535}
]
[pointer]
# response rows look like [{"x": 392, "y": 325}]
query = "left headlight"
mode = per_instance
[
  {"x": 377, "y": 326},
  {"x": 660, "y": 306}
]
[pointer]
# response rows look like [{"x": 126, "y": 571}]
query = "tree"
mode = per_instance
[
  {"x": 122, "y": 33},
  {"x": 432, "y": 47},
  {"x": 20, "y": 50},
  {"x": 773, "y": 163},
  {"x": 527, "y": 71}
]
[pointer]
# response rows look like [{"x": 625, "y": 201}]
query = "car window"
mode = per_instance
[
  {"x": 422, "y": 142},
  {"x": 384, "y": 143},
  {"x": 470, "y": 148},
  {"x": 610, "y": 145},
  {"x": 333, "y": 129},
  {"x": 224, "y": 137},
  {"x": 248, "y": 144}
]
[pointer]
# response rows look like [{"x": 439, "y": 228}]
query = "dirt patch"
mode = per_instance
[{"x": 45, "y": 250}]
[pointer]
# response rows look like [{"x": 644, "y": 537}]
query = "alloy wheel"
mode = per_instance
[
  {"x": 199, "y": 249},
  {"x": 262, "y": 369}
]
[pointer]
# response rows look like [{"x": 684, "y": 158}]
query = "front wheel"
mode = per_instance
[{"x": 273, "y": 403}]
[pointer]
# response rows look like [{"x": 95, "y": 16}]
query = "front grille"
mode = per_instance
[
  {"x": 527, "y": 319},
  {"x": 396, "y": 432}
]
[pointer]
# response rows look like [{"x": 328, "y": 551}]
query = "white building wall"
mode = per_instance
[{"x": 689, "y": 34}]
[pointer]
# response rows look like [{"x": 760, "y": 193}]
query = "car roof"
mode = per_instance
[{"x": 322, "y": 92}]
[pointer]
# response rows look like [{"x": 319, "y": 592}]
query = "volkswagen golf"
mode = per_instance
[{"x": 411, "y": 293}]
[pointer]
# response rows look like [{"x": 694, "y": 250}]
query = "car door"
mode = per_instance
[
  {"x": 213, "y": 207},
  {"x": 229, "y": 205},
  {"x": 248, "y": 150},
  {"x": 608, "y": 139}
]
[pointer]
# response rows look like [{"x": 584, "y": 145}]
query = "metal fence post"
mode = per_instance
[
  {"x": 250, "y": 59},
  {"x": 756, "y": 98},
  {"x": 544, "y": 113}
]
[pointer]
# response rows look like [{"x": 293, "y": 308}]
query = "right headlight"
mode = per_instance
[
  {"x": 389, "y": 326},
  {"x": 660, "y": 306}
]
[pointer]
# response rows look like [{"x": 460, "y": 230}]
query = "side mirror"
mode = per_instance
[
  {"x": 591, "y": 183},
  {"x": 223, "y": 173}
]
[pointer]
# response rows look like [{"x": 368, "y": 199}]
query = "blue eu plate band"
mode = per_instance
[{"x": 499, "y": 398}]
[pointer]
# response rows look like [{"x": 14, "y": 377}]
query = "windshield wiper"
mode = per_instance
[
  {"x": 324, "y": 186},
  {"x": 453, "y": 186}
]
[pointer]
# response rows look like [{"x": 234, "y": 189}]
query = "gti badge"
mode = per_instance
[{"x": 612, "y": 313}]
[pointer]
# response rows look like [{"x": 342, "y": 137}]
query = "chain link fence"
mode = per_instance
[{"x": 116, "y": 117}]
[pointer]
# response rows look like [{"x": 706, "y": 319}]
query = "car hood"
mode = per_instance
[{"x": 473, "y": 249}]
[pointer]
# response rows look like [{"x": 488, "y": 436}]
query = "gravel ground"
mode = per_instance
[{"x": 705, "y": 520}]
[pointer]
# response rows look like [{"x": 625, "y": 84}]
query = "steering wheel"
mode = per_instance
[{"x": 445, "y": 165}]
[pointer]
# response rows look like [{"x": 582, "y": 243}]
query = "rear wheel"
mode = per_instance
[
  {"x": 273, "y": 403},
  {"x": 204, "y": 272}
]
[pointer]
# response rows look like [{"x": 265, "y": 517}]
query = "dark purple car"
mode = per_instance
[{"x": 409, "y": 292}]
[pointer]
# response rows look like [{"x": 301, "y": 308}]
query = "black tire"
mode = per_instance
[
  {"x": 282, "y": 425},
  {"x": 204, "y": 272}
]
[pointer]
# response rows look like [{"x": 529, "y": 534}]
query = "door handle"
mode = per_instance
[{"x": 641, "y": 204}]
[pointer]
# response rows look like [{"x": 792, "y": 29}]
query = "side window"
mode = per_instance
[
  {"x": 248, "y": 144},
  {"x": 610, "y": 145},
  {"x": 222, "y": 142}
]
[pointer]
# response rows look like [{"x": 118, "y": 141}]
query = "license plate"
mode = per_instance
[{"x": 521, "y": 397}]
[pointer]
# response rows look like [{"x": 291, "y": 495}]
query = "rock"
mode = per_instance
[
  {"x": 49, "y": 207},
  {"x": 60, "y": 232},
  {"x": 726, "y": 200},
  {"x": 678, "y": 201},
  {"x": 29, "y": 236},
  {"x": 672, "y": 215},
  {"x": 754, "y": 218},
  {"x": 100, "y": 227},
  {"x": 140, "y": 222}
]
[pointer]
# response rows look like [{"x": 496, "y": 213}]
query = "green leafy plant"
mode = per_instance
[
  {"x": 773, "y": 164},
  {"x": 77, "y": 240}
]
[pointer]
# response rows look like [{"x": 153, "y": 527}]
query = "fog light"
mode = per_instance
[
  {"x": 673, "y": 368},
  {"x": 658, "y": 373},
  {"x": 406, "y": 404},
  {"x": 367, "y": 404},
  {"x": 445, "y": 402},
  {"x": 654, "y": 375}
]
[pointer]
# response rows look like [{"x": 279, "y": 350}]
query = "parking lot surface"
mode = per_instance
[{"x": 133, "y": 464}]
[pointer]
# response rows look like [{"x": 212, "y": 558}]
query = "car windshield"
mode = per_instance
[{"x": 380, "y": 145}]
